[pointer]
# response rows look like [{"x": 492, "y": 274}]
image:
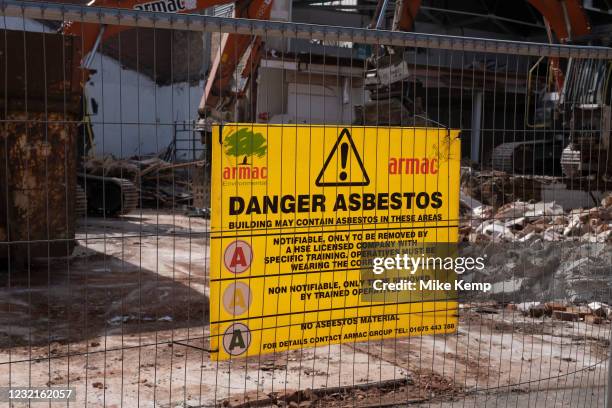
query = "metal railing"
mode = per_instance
[
  {"x": 199, "y": 23},
  {"x": 113, "y": 251}
]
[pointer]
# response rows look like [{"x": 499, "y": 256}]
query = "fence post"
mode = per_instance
[{"x": 609, "y": 382}]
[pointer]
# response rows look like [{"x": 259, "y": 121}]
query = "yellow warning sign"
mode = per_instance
[{"x": 300, "y": 214}]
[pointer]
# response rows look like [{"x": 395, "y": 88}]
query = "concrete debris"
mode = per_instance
[
  {"x": 577, "y": 272},
  {"x": 600, "y": 309},
  {"x": 581, "y": 311},
  {"x": 515, "y": 222},
  {"x": 468, "y": 202},
  {"x": 592, "y": 319},
  {"x": 370, "y": 394},
  {"x": 482, "y": 212},
  {"x": 552, "y": 306},
  {"x": 521, "y": 221},
  {"x": 565, "y": 316},
  {"x": 494, "y": 231},
  {"x": 550, "y": 235},
  {"x": 537, "y": 309},
  {"x": 495, "y": 188},
  {"x": 545, "y": 313},
  {"x": 526, "y": 306},
  {"x": 539, "y": 251},
  {"x": 520, "y": 209},
  {"x": 532, "y": 309}
]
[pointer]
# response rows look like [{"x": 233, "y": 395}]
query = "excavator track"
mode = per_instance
[
  {"x": 109, "y": 196},
  {"x": 503, "y": 156},
  {"x": 516, "y": 157},
  {"x": 533, "y": 157}
]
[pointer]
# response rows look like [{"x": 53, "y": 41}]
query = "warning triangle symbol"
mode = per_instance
[{"x": 343, "y": 166}]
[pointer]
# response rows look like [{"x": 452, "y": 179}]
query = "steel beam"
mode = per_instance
[{"x": 196, "y": 22}]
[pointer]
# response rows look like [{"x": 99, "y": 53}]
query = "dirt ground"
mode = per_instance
[{"x": 125, "y": 322}]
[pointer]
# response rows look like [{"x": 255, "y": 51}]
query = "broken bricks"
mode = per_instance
[
  {"x": 565, "y": 316},
  {"x": 592, "y": 319},
  {"x": 520, "y": 221}
]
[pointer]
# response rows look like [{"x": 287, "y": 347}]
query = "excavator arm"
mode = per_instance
[
  {"x": 405, "y": 14},
  {"x": 567, "y": 20},
  {"x": 233, "y": 46}
]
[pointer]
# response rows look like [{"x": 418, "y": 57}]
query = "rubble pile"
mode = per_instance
[
  {"x": 495, "y": 188},
  {"x": 538, "y": 251},
  {"x": 527, "y": 222},
  {"x": 160, "y": 183},
  {"x": 592, "y": 313}
]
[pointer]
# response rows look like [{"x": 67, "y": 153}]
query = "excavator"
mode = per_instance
[
  {"x": 574, "y": 106},
  {"x": 113, "y": 196},
  {"x": 576, "y": 101}
]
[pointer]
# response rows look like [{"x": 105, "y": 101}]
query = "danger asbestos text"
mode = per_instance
[{"x": 274, "y": 204}]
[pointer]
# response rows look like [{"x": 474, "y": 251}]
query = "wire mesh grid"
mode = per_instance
[{"x": 113, "y": 263}]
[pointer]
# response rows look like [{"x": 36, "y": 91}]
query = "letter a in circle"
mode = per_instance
[
  {"x": 238, "y": 256},
  {"x": 236, "y": 339}
]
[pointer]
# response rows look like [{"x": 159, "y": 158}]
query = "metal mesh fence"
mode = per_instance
[{"x": 116, "y": 258}]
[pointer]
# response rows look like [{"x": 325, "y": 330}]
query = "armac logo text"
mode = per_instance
[
  {"x": 167, "y": 6},
  {"x": 413, "y": 165},
  {"x": 245, "y": 145}
]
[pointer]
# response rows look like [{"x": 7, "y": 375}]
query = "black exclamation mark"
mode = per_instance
[{"x": 343, "y": 157}]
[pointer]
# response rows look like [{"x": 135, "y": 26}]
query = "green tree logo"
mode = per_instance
[{"x": 245, "y": 143}]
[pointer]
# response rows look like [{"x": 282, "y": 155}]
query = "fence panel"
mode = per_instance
[{"x": 163, "y": 248}]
